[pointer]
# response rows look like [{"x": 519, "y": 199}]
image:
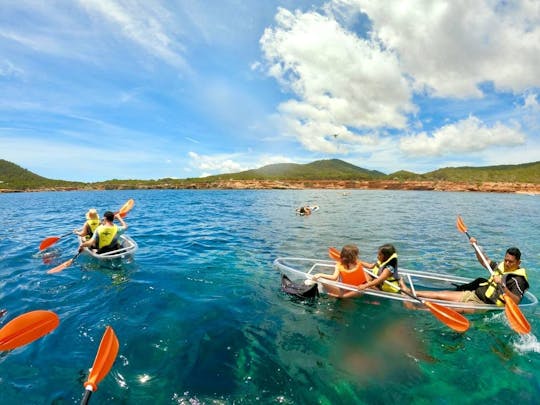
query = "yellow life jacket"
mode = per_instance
[
  {"x": 355, "y": 276},
  {"x": 93, "y": 224},
  {"x": 106, "y": 235},
  {"x": 490, "y": 290},
  {"x": 394, "y": 287}
]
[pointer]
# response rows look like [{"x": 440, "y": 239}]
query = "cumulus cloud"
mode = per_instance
[
  {"x": 450, "y": 48},
  {"x": 214, "y": 164},
  {"x": 466, "y": 136},
  {"x": 343, "y": 84}
]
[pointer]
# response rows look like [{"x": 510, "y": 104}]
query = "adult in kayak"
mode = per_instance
[
  {"x": 105, "y": 238},
  {"x": 91, "y": 224},
  {"x": 304, "y": 210},
  {"x": 348, "y": 270},
  {"x": 508, "y": 277}
]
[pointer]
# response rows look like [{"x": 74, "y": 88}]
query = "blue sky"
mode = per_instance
[{"x": 94, "y": 90}]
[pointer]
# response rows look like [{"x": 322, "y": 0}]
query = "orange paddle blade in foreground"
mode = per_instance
[
  {"x": 26, "y": 328},
  {"x": 449, "y": 317},
  {"x": 108, "y": 349},
  {"x": 515, "y": 317}
]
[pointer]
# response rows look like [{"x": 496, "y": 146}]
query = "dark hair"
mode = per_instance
[
  {"x": 514, "y": 251},
  {"x": 388, "y": 250},
  {"x": 349, "y": 255},
  {"x": 109, "y": 216}
]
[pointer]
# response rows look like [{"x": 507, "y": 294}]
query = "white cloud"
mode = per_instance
[
  {"x": 149, "y": 25},
  {"x": 451, "y": 47},
  {"x": 343, "y": 84},
  {"x": 214, "y": 164},
  {"x": 466, "y": 136}
]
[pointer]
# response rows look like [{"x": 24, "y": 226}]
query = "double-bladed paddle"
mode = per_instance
[
  {"x": 106, "y": 354},
  {"x": 515, "y": 317},
  {"x": 448, "y": 316},
  {"x": 26, "y": 328},
  {"x": 51, "y": 240}
]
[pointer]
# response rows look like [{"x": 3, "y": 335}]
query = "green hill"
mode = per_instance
[
  {"x": 523, "y": 173},
  {"x": 14, "y": 177},
  {"x": 333, "y": 169}
]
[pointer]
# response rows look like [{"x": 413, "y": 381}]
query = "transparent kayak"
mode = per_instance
[
  {"x": 127, "y": 249},
  {"x": 301, "y": 269}
]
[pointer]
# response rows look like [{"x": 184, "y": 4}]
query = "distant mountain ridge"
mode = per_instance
[{"x": 14, "y": 177}]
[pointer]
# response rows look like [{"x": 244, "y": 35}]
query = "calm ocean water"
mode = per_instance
[{"x": 201, "y": 319}]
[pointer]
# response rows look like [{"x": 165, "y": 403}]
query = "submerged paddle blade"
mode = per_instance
[
  {"x": 515, "y": 317},
  {"x": 47, "y": 242},
  {"x": 126, "y": 207},
  {"x": 106, "y": 354},
  {"x": 60, "y": 267},
  {"x": 448, "y": 316},
  {"x": 64, "y": 265},
  {"x": 26, "y": 328}
]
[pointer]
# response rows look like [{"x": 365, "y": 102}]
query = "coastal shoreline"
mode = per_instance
[{"x": 493, "y": 187}]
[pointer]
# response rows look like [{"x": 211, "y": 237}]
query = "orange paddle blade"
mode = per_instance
[
  {"x": 461, "y": 225},
  {"x": 126, "y": 207},
  {"x": 45, "y": 243},
  {"x": 60, "y": 267},
  {"x": 26, "y": 328},
  {"x": 448, "y": 316},
  {"x": 515, "y": 317},
  {"x": 334, "y": 253},
  {"x": 108, "y": 349}
]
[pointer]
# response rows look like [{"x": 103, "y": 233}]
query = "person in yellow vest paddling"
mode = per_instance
[
  {"x": 385, "y": 274},
  {"x": 90, "y": 226},
  {"x": 105, "y": 237},
  {"x": 508, "y": 277}
]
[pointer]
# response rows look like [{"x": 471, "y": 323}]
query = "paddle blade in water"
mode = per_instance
[
  {"x": 515, "y": 317},
  {"x": 60, "y": 267},
  {"x": 449, "y": 317},
  {"x": 47, "y": 242},
  {"x": 26, "y": 328},
  {"x": 108, "y": 349}
]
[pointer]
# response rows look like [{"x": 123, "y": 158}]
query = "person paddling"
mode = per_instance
[
  {"x": 508, "y": 277},
  {"x": 91, "y": 224},
  {"x": 105, "y": 238}
]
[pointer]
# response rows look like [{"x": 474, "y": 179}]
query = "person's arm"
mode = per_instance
[
  {"x": 89, "y": 242},
  {"x": 473, "y": 240},
  {"x": 334, "y": 276},
  {"x": 375, "y": 282},
  {"x": 514, "y": 287},
  {"x": 121, "y": 220},
  {"x": 83, "y": 231}
]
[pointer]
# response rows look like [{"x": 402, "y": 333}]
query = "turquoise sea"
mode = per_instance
[{"x": 201, "y": 318}]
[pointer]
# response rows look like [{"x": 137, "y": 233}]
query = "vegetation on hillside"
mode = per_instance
[{"x": 13, "y": 177}]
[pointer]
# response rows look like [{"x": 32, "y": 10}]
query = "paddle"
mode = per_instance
[
  {"x": 64, "y": 265},
  {"x": 515, "y": 317},
  {"x": 126, "y": 208},
  {"x": 26, "y": 328},
  {"x": 51, "y": 240},
  {"x": 106, "y": 354},
  {"x": 449, "y": 317}
]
